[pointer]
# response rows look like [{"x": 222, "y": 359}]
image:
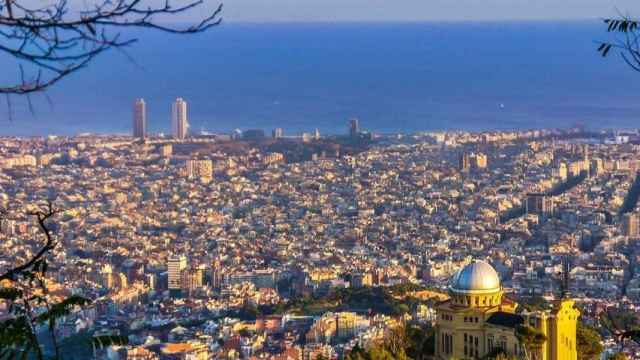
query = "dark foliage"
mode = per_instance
[{"x": 24, "y": 289}]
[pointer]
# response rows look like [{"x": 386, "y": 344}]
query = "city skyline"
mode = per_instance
[
  {"x": 450, "y": 233},
  {"x": 320, "y": 180}
]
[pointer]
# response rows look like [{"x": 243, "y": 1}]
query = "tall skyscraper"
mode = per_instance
[
  {"x": 179, "y": 123},
  {"x": 175, "y": 266},
  {"x": 354, "y": 128},
  {"x": 139, "y": 119},
  {"x": 464, "y": 162},
  {"x": 277, "y": 133},
  {"x": 630, "y": 225}
]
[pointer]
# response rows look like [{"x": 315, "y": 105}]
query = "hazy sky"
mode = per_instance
[{"x": 417, "y": 10}]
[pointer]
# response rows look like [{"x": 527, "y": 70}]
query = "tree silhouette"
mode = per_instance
[
  {"x": 54, "y": 40},
  {"x": 626, "y": 40},
  {"x": 24, "y": 289}
]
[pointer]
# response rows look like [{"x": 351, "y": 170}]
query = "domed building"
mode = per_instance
[{"x": 477, "y": 320}]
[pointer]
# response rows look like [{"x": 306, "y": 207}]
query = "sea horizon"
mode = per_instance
[{"x": 395, "y": 77}]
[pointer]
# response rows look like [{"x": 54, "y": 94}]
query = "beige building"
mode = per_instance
[
  {"x": 478, "y": 320},
  {"x": 199, "y": 169}
]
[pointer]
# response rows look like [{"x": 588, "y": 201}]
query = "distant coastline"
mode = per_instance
[{"x": 395, "y": 77}]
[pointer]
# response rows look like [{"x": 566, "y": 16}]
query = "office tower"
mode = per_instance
[
  {"x": 464, "y": 163},
  {"x": 175, "y": 266},
  {"x": 277, "y": 133},
  {"x": 179, "y": 123},
  {"x": 539, "y": 204},
  {"x": 202, "y": 169},
  {"x": 630, "y": 225},
  {"x": 193, "y": 279},
  {"x": 354, "y": 128},
  {"x": 316, "y": 135},
  {"x": 139, "y": 119},
  {"x": 216, "y": 274}
]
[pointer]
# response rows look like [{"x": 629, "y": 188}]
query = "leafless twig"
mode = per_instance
[
  {"x": 56, "y": 40},
  {"x": 41, "y": 216}
]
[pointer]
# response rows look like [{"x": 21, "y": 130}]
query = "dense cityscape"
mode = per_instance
[{"x": 311, "y": 246}]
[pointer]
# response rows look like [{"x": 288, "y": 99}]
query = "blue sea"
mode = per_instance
[{"x": 395, "y": 77}]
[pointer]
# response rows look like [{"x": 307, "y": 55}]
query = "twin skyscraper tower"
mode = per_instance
[{"x": 179, "y": 123}]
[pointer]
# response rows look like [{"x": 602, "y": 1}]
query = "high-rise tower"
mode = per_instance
[
  {"x": 139, "y": 119},
  {"x": 179, "y": 123},
  {"x": 354, "y": 128},
  {"x": 175, "y": 266}
]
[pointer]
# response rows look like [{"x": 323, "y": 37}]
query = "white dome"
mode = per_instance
[{"x": 477, "y": 277}]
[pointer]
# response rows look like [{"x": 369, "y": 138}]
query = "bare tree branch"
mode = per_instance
[
  {"x": 41, "y": 216},
  {"x": 56, "y": 41},
  {"x": 626, "y": 39}
]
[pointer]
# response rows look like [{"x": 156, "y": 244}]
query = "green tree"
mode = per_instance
[
  {"x": 421, "y": 342},
  {"x": 618, "y": 356},
  {"x": 531, "y": 340},
  {"x": 622, "y": 325},
  {"x": 588, "y": 342},
  {"x": 499, "y": 354},
  {"x": 396, "y": 341}
]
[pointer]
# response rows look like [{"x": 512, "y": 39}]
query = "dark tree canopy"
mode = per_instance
[
  {"x": 618, "y": 356},
  {"x": 588, "y": 343},
  {"x": 52, "y": 39}
]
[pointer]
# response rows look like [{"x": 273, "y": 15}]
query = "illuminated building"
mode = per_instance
[
  {"x": 478, "y": 319},
  {"x": 179, "y": 122},
  {"x": 175, "y": 266}
]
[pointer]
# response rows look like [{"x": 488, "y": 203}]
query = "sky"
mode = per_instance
[{"x": 421, "y": 10}]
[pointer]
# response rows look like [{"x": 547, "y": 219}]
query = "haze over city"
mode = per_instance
[{"x": 315, "y": 180}]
